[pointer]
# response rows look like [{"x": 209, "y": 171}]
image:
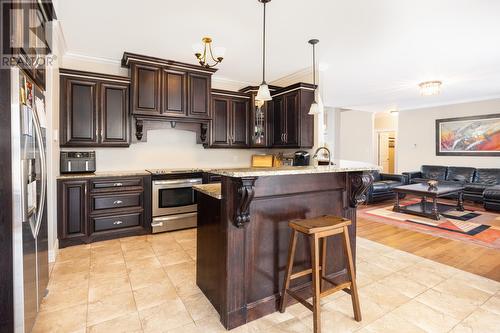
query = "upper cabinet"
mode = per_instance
[
  {"x": 288, "y": 112},
  {"x": 199, "y": 95},
  {"x": 145, "y": 89},
  {"x": 230, "y": 120},
  {"x": 93, "y": 110},
  {"x": 169, "y": 89}
]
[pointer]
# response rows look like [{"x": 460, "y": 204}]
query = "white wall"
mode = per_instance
[
  {"x": 417, "y": 136},
  {"x": 356, "y": 136}
]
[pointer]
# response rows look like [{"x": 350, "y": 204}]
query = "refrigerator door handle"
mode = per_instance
[
  {"x": 24, "y": 191},
  {"x": 43, "y": 169}
]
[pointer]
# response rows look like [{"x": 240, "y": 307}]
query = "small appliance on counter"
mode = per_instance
[
  {"x": 301, "y": 158},
  {"x": 78, "y": 162}
]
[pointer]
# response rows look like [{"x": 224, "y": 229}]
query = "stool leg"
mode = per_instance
[
  {"x": 323, "y": 261},
  {"x": 289, "y": 267},
  {"x": 316, "y": 283},
  {"x": 350, "y": 267}
]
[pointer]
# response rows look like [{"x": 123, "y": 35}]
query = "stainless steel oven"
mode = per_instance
[{"x": 174, "y": 203}]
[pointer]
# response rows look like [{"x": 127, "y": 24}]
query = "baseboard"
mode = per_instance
[{"x": 54, "y": 251}]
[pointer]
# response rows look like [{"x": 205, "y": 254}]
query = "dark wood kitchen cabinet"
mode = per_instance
[
  {"x": 229, "y": 127},
  {"x": 168, "y": 90},
  {"x": 93, "y": 209},
  {"x": 291, "y": 125},
  {"x": 146, "y": 89},
  {"x": 93, "y": 110},
  {"x": 72, "y": 210},
  {"x": 174, "y": 91},
  {"x": 199, "y": 95}
]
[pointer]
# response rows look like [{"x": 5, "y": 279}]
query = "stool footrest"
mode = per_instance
[
  {"x": 299, "y": 299},
  {"x": 302, "y": 273},
  {"x": 335, "y": 289},
  {"x": 347, "y": 290}
]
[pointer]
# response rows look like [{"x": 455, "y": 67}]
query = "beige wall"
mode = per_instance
[
  {"x": 385, "y": 121},
  {"x": 417, "y": 137},
  {"x": 356, "y": 139}
]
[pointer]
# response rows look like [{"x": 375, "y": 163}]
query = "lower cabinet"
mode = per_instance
[{"x": 103, "y": 208}]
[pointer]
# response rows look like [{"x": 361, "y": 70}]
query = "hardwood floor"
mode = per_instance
[{"x": 468, "y": 257}]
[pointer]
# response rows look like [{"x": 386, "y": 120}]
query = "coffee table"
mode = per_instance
[{"x": 425, "y": 208}]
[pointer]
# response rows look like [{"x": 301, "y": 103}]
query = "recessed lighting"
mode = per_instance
[{"x": 430, "y": 88}]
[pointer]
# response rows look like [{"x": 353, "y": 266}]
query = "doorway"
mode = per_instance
[{"x": 386, "y": 151}]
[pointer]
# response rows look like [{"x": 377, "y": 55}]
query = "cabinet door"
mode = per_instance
[
  {"x": 239, "y": 123},
  {"x": 114, "y": 115},
  {"x": 72, "y": 210},
  {"x": 145, "y": 89},
  {"x": 221, "y": 132},
  {"x": 174, "y": 93},
  {"x": 278, "y": 121},
  {"x": 292, "y": 119},
  {"x": 199, "y": 95},
  {"x": 78, "y": 112}
]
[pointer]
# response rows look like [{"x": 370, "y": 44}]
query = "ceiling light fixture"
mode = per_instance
[
  {"x": 317, "y": 105},
  {"x": 205, "y": 54},
  {"x": 263, "y": 94},
  {"x": 394, "y": 112},
  {"x": 430, "y": 88}
]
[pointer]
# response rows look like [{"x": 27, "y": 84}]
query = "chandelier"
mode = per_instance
[
  {"x": 205, "y": 54},
  {"x": 430, "y": 88}
]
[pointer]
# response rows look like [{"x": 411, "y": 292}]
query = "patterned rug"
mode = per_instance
[{"x": 472, "y": 225}]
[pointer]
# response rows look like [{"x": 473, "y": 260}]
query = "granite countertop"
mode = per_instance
[
  {"x": 104, "y": 174},
  {"x": 339, "y": 166},
  {"x": 213, "y": 190}
]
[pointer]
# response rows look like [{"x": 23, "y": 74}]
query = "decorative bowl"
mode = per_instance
[{"x": 433, "y": 185}]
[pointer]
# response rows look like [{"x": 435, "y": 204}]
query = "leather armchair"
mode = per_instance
[{"x": 382, "y": 186}]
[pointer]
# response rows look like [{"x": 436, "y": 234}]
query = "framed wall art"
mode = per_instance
[{"x": 468, "y": 136}]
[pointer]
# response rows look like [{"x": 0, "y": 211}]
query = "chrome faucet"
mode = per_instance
[{"x": 315, "y": 156}]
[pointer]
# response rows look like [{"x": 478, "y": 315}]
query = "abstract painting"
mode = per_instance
[{"x": 468, "y": 136}]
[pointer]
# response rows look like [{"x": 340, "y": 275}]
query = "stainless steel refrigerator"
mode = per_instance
[{"x": 29, "y": 192}]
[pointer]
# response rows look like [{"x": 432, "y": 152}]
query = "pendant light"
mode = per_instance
[
  {"x": 315, "y": 106},
  {"x": 263, "y": 94}
]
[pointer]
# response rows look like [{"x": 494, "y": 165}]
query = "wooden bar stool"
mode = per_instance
[{"x": 318, "y": 229}]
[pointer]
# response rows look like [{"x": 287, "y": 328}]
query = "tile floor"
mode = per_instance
[{"x": 147, "y": 284}]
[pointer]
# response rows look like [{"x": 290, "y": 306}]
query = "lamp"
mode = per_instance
[
  {"x": 263, "y": 94},
  {"x": 316, "y": 107},
  {"x": 204, "y": 53}
]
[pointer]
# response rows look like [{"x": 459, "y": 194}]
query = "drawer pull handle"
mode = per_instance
[
  {"x": 117, "y": 184},
  {"x": 117, "y": 222},
  {"x": 117, "y": 202}
]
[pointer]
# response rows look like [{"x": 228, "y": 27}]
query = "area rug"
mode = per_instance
[{"x": 472, "y": 225}]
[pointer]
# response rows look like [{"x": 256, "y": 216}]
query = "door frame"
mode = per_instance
[{"x": 376, "y": 145}]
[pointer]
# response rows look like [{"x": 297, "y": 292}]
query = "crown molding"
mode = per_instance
[
  {"x": 86, "y": 58},
  {"x": 303, "y": 75}
]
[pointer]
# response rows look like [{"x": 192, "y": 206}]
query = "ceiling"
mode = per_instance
[{"x": 376, "y": 51}]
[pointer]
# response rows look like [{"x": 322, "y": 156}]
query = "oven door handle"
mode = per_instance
[
  {"x": 171, "y": 218},
  {"x": 187, "y": 182}
]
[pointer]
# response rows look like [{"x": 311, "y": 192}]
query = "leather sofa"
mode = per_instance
[
  {"x": 382, "y": 187},
  {"x": 477, "y": 181}
]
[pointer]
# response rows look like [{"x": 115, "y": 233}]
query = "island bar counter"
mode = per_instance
[{"x": 243, "y": 234}]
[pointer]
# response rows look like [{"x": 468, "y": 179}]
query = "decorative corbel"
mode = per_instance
[
  {"x": 138, "y": 129},
  {"x": 246, "y": 193},
  {"x": 203, "y": 132},
  {"x": 359, "y": 184}
]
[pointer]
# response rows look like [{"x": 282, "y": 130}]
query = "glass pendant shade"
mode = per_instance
[
  {"x": 314, "y": 109},
  {"x": 263, "y": 94}
]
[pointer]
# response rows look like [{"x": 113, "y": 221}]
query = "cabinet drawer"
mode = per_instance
[
  {"x": 112, "y": 201},
  {"x": 116, "y": 222},
  {"x": 115, "y": 184}
]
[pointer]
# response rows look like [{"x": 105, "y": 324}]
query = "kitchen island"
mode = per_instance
[{"x": 243, "y": 234}]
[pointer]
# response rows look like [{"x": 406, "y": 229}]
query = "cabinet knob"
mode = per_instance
[
  {"x": 117, "y": 222},
  {"x": 117, "y": 202}
]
